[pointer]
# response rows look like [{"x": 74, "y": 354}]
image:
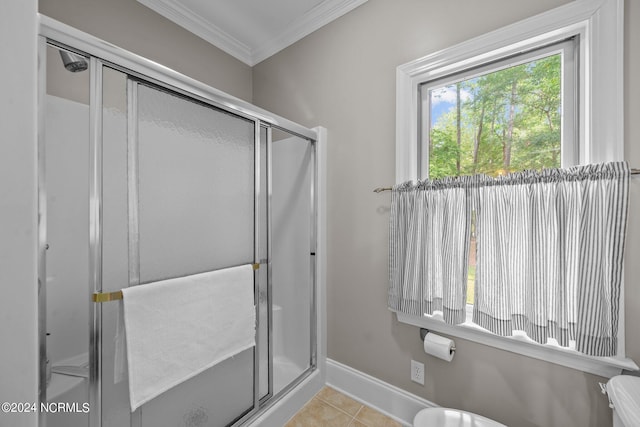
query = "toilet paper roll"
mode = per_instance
[{"x": 440, "y": 347}]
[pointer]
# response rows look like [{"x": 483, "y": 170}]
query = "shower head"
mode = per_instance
[{"x": 73, "y": 62}]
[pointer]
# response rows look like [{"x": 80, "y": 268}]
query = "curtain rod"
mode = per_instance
[{"x": 381, "y": 189}]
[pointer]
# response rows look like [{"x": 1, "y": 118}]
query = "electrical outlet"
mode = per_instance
[{"x": 417, "y": 372}]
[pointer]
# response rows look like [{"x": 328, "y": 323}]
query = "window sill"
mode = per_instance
[{"x": 603, "y": 366}]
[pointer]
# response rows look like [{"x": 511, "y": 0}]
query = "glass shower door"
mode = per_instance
[
  {"x": 293, "y": 257},
  {"x": 196, "y": 198},
  {"x": 153, "y": 181},
  {"x": 178, "y": 199}
]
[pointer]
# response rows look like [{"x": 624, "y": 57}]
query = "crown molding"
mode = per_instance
[
  {"x": 311, "y": 21},
  {"x": 316, "y": 18},
  {"x": 202, "y": 28}
]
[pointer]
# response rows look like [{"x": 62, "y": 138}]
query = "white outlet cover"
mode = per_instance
[{"x": 417, "y": 372}]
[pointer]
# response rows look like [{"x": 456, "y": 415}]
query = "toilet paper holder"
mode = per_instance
[{"x": 424, "y": 332}]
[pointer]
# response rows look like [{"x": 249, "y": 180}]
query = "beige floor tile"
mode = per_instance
[
  {"x": 356, "y": 423},
  {"x": 319, "y": 414},
  {"x": 339, "y": 400},
  {"x": 373, "y": 418}
]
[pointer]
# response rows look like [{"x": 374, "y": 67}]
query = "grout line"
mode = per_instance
[
  {"x": 354, "y": 421},
  {"x": 336, "y": 407},
  {"x": 339, "y": 409},
  {"x": 353, "y": 418}
]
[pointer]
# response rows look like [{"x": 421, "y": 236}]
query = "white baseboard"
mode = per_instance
[{"x": 383, "y": 397}]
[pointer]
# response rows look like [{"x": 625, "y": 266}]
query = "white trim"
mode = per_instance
[
  {"x": 304, "y": 25},
  {"x": 383, "y": 397},
  {"x": 598, "y": 23},
  {"x": 603, "y": 366}
]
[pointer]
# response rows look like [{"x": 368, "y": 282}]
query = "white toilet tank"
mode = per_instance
[
  {"x": 445, "y": 417},
  {"x": 624, "y": 394}
]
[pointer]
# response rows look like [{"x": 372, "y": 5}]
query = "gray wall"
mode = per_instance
[
  {"x": 132, "y": 26},
  {"x": 343, "y": 77},
  {"x": 18, "y": 132}
]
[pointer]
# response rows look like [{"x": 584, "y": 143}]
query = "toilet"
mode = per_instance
[
  {"x": 446, "y": 417},
  {"x": 624, "y": 396},
  {"x": 623, "y": 392}
]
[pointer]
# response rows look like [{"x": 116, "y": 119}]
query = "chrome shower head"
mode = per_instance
[{"x": 73, "y": 62}]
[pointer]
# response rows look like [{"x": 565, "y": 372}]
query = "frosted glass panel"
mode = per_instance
[
  {"x": 214, "y": 398},
  {"x": 291, "y": 259},
  {"x": 115, "y": 252},
  {"x": 196, "y": 210},
  {"x": 196, "y": 187}
]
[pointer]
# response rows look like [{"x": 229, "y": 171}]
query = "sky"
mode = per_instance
[{"x": 443, "y": 99}]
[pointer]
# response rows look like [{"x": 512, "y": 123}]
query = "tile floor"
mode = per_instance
[{"x": 330, "y": 408}]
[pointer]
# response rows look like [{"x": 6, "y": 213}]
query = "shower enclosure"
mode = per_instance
[{"x": 146, "y": 175}]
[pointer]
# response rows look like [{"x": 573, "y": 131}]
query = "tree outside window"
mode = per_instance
[
  {"x": 496, "y": 123},
  {"x": 500, "y": 122}
]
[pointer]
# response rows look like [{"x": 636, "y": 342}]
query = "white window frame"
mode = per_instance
[{"x": 598, "y": 24}]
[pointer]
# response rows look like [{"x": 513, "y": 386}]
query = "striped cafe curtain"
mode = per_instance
[
  {"x": 549, "y": 252},
  {"x": 429, "y": 234}
]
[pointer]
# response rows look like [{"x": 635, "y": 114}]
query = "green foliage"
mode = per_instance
[
  {"x": 444, "y": 153},
  {"x": 512, "y": 117}
]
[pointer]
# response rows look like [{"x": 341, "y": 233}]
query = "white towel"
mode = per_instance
[{"x": 176, "y": 329}]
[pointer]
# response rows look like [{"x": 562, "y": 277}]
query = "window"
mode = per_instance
[
  {"x": 439, "y": 110},
  {"x": 511, "y": 115},
  {"x": 504, "y": 117}
]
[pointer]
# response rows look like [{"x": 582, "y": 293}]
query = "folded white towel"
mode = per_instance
[{"x": 176, "y": 329}]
